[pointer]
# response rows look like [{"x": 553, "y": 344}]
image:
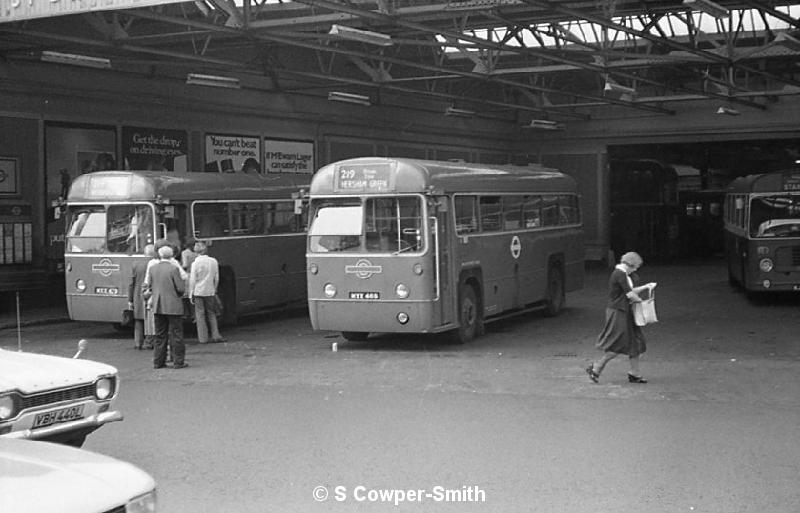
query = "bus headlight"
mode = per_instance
[
  {"x": 330, "y": 289},
  {"x": 401, "y": 291},
  {"x": 765, "y": 265},
  {"x": 80, "y": 285},
  {"x": 104, "y": 388},
  {"x": 6, "y": 407},
  {"x": 313, "y": 269}
]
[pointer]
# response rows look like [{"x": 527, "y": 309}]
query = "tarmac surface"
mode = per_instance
[{"x": 261, "y": 422}]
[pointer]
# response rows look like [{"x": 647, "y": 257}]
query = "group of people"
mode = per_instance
[{"x": 158, "y": 292}]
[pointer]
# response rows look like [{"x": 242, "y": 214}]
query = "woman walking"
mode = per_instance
[{"x": 620, "y": 334}]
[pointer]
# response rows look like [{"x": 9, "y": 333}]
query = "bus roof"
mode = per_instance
[
  {"x": 148, "y": 185},
  {"x": 780, "y": 181},
  {"x": 402, "y": 175}
]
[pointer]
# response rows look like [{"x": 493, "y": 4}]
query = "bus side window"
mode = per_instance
[
  {"x": 550, "y": 211},
  {"x": 491, "y": 210},
  {"x": 466, "y": 214},
  {"x": 283, "y": 217},
  {"x": 532, "y": 211},
  {"x": 210, "y": 219},
  {"x": 568, "y": 209},
  {"x": 512, "y": 212}
]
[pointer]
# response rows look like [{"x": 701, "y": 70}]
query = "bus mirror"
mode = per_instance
[
  {"x": 739, "y": 203},
  {"x": 441, "y": 204},
  {"x": 298, "y": 206}
]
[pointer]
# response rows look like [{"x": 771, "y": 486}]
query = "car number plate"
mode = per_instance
[
  {"x": 57, "y": 416},
  {"x": 365, "y": 295},
  {"x": 107, "y": 291}
]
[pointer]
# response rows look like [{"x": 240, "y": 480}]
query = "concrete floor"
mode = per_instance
[{"x": 259, "y": 423}]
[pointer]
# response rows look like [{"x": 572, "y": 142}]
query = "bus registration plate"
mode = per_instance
[
  {"x": 365, "y": 295},
  {"x": 107, "y": 291}
]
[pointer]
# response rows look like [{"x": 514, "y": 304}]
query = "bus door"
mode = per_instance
[{"x": 442, "y": 247}]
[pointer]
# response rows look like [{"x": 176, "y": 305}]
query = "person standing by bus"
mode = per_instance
[
  {"x": 135, "y": 299},
  {"x": 203, "y": 282},
  {"x": 166, "y": 289},
  {"x": 620, "y": 334}
]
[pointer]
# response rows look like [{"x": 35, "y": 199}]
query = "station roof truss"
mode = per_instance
[{"x": 512, "y": 60}]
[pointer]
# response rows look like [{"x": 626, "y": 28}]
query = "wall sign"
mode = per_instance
[
  {"x": 9, "y": 177},
  {"x": 288, "y": 156},
  {"x": 154, "y": 149},
  {"x": 233, "y": 154}
]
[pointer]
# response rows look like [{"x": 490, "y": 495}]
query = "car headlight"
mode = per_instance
[
  {"x": 104, "y": 388},
  {"x": 401, "y": 291},
  {"x": 142, "y": 504},
  {"x": 330, "y": 289},
  {"x": 765, "y": 265},
  {"x": 80, "y": 285},
  {"x": 6, "y": 407}
]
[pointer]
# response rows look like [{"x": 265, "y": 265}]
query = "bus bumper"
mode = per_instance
[
  {"x": 377, "y": 317},
  {"x": 86, "y": 307}
]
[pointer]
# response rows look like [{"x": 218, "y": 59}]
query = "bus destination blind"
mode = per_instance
[{"x": 364, "y": 178}]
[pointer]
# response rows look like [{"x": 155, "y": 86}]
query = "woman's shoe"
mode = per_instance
[
  {"x": 636, "y": 379},
  {"x": 595, "y": 377}
]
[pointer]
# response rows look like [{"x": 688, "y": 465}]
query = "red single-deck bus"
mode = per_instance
[
  {"x": 414, "y": 246},
  {"x": 252, "y": 224},
  {"x": 762, "y": 231}
]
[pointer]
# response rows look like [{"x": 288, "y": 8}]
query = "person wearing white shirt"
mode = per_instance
[{"x": 203, "y": 282}]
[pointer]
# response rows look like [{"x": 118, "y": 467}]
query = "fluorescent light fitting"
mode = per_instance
[
  {"x": 213, "y": 81},
  {"x": 464, "y": 113},
  {"x": 613, "y": 87},
  {"x": 76, "y": 60},
  {"x": 708, "y": 7},
  {"x": 479, "y": 5},
  {"x": 359, "y": 99},
  {"x": 364, "y": 36},
  {"x": 728, "y": 111},
  {"x": 544, "y": 124}
]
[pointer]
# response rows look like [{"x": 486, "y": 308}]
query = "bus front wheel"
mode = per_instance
[
  {"x": 468, "y": 315},
  {"x": 355, "y": 336},
  {"x": 554, "y": 300}
]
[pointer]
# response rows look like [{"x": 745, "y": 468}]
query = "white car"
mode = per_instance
[
  {"x": 40, "y": 476},
  {"x": 52, "y": 398}
]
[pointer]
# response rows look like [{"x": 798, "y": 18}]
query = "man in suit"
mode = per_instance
[
  {"x": 166, "y": 290},
  {"x": 135, "y": 299}
]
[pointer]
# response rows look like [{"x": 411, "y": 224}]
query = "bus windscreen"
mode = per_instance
[
  {"x": 775, "y": 216},
  {"x": 116, "y": 229}
]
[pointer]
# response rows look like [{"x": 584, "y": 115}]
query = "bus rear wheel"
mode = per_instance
[
  {"x": 355, "y": 336},
  {"x": 554, "y": 300},
  {"x": 468, "y": 315}
]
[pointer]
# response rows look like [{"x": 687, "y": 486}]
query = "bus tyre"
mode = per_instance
[
  {"x": 468, "y": 316},
  {"x": 355, "y": 336},
  {"x": 554, "y": 300}
]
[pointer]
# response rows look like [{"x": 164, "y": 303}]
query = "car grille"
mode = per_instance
[{"x": 56, "y": 396}]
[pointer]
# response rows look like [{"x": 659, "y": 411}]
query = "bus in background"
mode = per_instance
[
  {"x": 762, "y": 231},
  {"x": 414, "y": 246},
  {"x": 252, "y": 224}
]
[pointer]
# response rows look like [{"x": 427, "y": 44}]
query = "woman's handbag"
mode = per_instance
[
  {"x": 127, "y": 317},
  {"x": 644, "y": 311}
]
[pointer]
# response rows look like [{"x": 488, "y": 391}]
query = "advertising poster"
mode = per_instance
[
  {"x": 288, "y": 156},
  {"x": 233, "y": 154},
  {"x": 154, "y": 149}
]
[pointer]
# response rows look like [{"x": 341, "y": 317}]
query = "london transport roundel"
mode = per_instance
[{"x": 516, "y": 247}]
